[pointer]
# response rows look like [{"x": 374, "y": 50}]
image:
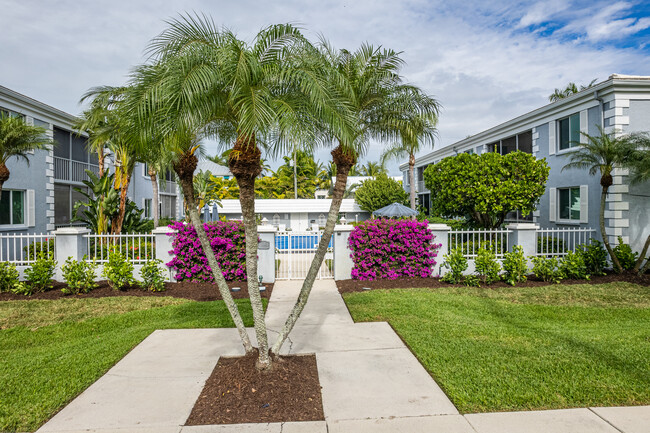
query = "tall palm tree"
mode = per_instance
[
  {"x": 17, "y": 140},
  {"x": 418, "y": 131},
  {"x": 373, "y": 169},
  {"x": 369, "y": 82},
  {"x": 601, "y": 155}
]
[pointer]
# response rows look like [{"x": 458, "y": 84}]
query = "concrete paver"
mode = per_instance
[
  {"x": 378, "y": 384},
  {"x": 341, "y": 338},
  {"x": 424, "y": 424},
  {"x": 635, "y": 419},
  {"x": 546, "y": 421}
]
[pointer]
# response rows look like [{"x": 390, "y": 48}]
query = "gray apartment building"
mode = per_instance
[
  {"x": 40, "y": 197},
  {"x": 620, "y": 104}
]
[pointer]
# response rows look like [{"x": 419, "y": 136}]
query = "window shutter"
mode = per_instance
[
  {"x": 30, "y": 218},
  {"x": 584, "y": 204},
  {"x": 552, "y": 204},
  {"x": 551, "y": 138},
  {"x": 584, "y": 128}
]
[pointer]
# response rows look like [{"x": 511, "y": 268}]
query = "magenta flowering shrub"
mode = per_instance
[
  {"x": 391, "y": 249},
  {"x": 228, "y": 242}
]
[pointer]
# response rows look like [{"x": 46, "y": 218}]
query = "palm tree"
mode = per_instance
[
  {"x": 638, "y": 163},
  {"x": 371, "y": 88},
  {"x": 569, "y": 90},
  {"x": 373, "y": 169},
  {"x": 418, "y": 131},
  {"x": 243, "y": 94},
  {"x": 17, "y": 140},
  {"x": 601, "y": 155}
]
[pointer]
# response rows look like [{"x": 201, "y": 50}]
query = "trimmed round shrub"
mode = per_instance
[{"x": 392, "y": 249}]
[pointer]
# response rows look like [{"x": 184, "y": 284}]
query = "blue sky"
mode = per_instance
[{"x": 486, "y": 62}]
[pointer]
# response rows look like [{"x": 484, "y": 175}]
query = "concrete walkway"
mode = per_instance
[{"x": 370, "y": 382}]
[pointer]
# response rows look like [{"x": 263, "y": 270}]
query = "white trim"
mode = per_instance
[
  {"x": 30, "y": 208},
  {"x": 551, "y": 137},
  {"x": 552, "y": 208},
  {"x": 584, "y": 126},
  {"x": 584, "y": 204}
]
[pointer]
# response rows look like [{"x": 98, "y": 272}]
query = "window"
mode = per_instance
[
  {"x": 569, "y": 202},
  {"x": 569, "y": 131},
  {"x": 167, "y": 206},
  {"x": 12, "y": 207},
  {"x": 65, "y": 197},
  {"x": 147, "y": 208},
  {"x": 322, "y": 220}
]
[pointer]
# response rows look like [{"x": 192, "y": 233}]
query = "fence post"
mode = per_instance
[
  {"x": 266, "y": 253},
  {"x": 163, "y": 246},
  {"x": 440, "y": 236},
  {"x": 342, "y": 260},
  {"x": 524, "y": 235},
  {"x": 70, "y": 242}
]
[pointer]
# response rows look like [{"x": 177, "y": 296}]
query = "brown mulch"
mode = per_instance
[
  {"x": 196, "y": 291},
  {"x": 237, "y": 392},
  {"x": 346, "y": 286}
]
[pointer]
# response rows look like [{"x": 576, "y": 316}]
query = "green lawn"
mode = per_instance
[
  {"x": 524, "y": 348},
  {"x": 50, "y": 351}
]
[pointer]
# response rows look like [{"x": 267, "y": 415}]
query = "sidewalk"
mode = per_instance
[{"x": 370, "y": 381}]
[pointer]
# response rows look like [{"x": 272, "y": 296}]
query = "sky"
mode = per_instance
[{"x": 485, "y": 62}]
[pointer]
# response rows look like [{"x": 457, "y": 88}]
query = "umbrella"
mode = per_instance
[{"x": 395, "y": 210}]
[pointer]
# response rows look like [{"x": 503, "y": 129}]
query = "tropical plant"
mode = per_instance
[
  {"x": 601, "y": 154},
  {"x": 79, "y": 276},
  {"x": 17, "y": 140},
  {"x": 381, "y": 191},
  {"x": 515, "y": 266},
  {"x": 118, "y": 270},
  {"x": 569, "y": 90},
  {"x": 372, "y": 169},
  {"x": 485, "y": 188},
  {"x": 153, "y": 276}
]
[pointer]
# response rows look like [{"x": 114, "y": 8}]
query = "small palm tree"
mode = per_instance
[
  {"x": 569, "y": 90},
  {"x": 373, "y": 169},
  {"x": 601, "y": 155},
  {"x": 17, "y": 140}
]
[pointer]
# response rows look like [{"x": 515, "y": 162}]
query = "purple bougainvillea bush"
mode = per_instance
[
  {"x": 228, "y": 242},
  {"x": 391, "y": 249}
]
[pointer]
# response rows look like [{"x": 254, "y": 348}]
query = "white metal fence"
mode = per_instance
[
  {"x": 23, "y": 249},
  {"x": 470, "y": 241},
  {"x": 138, "y": 248},
  {"x": 559, "y": 241},
  {"x": 294, "y": 252}
]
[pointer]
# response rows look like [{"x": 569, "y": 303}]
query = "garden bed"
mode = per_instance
[
  {"x": 185, "y": 289},
  {"x": 347, "y": 286},
  {"x": 237, "y": 392}
]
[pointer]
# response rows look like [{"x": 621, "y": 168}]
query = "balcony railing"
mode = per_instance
[
  {"x": 421, "y": 186},
  {"x": 167, "y": 186},
  {"x": 74, "y": 171}
]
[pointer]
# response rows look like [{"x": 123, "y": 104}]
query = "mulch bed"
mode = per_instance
[
  {"x": 196, "y": 291},
  {"x": 347, "y": 286},
  {"x": 237, "y": 392}
]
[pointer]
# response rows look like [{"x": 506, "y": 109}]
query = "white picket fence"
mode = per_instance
[
  {"x": 294, "y": 252},
  {"x": 23, "y": 249},
  {"x": 137, "y": 247},
  {"x": 558, "y": 242},
  {"x": 470, "y": 241}
]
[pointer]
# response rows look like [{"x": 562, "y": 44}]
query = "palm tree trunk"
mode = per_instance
[
  {"x": 344, "y": 161},
  {"x": 642, "y": 256},
  {"x": 117, "y": 223},
  {"x": 645, "y": 268},
  {"x": 100, "y": 160},
  {"x": 245, "y": 165},
  {"x": 155, "y": 198},
  {"x": 188, "y": 193},
  {"x": 615, "y": 262}
]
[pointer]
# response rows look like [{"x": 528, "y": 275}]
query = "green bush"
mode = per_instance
[
  {"x": 486, "y": 266},
  {"x": 153, "y": 277},
  {"x": 573, "y": 266},
  {"x": 32, "y": 250},
  {"x": 21, "y": 288},
  {"x": 118, "y": 270},
  {"x": 456, "y": 262},
  {"x": 380, "y": 191},
  {"x": 515, "y": 266},
  {"x": 79, "y": 276},
  {"x": 546, "y": 269},
  {"x": 8, "y": 276},
  {"x": 550, "y": 244},
  {"x": 40, "y": 274},
  {"x": 595, "y": 257},
  {"x": 472, "y": 281},
  {"x": 131, "y": 248},
  {"x": 624, "y": 253}
]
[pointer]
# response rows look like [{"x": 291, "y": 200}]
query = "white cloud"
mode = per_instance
[
  {"x": 608, "y": 22},
  {"x": 481, "y": 71},
  {"x": 542, "y": 11}
]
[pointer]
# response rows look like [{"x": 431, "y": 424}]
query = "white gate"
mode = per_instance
[{"x": 294, "y": 252}]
